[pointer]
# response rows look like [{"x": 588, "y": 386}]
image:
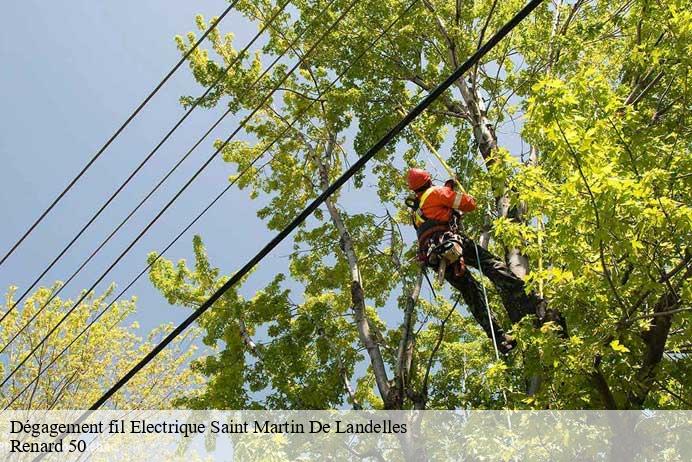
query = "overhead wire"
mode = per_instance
[
  {"x": 453, "y": 175},
  {"x": 145, "y": 161},
  {"x": 218, "y": 197},
  {"x": 117, "y": 133},
  {"x": 339, "y": 182},
  {"x": 151, "y": 193},
  {"x": 181, "y": 190}
]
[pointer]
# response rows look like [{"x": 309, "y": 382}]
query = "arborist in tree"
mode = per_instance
[{"x": 442, "y": 246}]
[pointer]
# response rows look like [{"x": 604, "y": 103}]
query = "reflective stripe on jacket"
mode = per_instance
[{"x": 436, "y": 203}]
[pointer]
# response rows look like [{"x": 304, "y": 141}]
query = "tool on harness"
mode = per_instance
[
  {"x": 440, "y": 242},
  {"x": 445, "y": 252},
  {"x": 445, "y": 249}
]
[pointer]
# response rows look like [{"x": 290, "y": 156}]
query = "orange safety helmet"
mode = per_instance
[{"x": 417, "y": 178}]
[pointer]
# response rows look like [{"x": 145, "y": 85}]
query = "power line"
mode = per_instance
[
  {"x": 115, "y": 194},
  {"x": 158, "y": 185},
  {"x": 216, "y": 199},
  {"x": 116, "y": 134},
  {"x": 180, "y": 192},
  {"x": 298, "y": 220}
]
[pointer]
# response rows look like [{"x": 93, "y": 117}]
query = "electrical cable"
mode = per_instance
[
  {"x": 116, "y": 134},
  {"x": 213, "y": 202},
  {"x": 301, "y": 217},
  {"x": 180, "y": 192},
  {"x": 143, "y": 163},
  {"x": 158, "y": 185},
  {"x": 451, "y": 172}
]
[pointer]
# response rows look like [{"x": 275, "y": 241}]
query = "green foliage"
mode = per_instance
[
  {"x": 95, "y": 362},
  {"x": 601, "y": 209}
]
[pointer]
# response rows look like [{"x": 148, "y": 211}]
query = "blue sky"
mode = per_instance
[{"x": 72, "y": 72}]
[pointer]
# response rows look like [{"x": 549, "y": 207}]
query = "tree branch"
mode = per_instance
[
  {"x": 655, "y": 339},
  {"x": 347, "y": 384},
  {"x": 357, "y": 291},
  {"x": 481, "y": 36},
  {"x": 602, "y": 385},
  {"x": 440, "y": 336},
  {"x": 674, "y": 395},
  {"x": 592, "y": 198},
  {"x": 404, "y": 356}
]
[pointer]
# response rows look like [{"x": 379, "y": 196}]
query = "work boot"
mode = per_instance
[
  {"x": 506, "y": 344},
  {"x": 545, "y": 314},
  {"x": 541, "y": 308}
]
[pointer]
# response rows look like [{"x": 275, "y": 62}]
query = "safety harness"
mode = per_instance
[{"x": 439, "y": 242}]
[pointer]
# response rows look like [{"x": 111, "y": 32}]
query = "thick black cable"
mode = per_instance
[
  {"x": 180, "y": 192},
  {"x": 216, "y": 199},
  {"x": 146, "y": 159},
  {"x": 298, "y": 220},
  {"x": 117, "y": 133},
  {"x": 158, "y": 185}
]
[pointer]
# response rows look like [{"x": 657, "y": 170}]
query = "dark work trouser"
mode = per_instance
[
  {"x": 472, "y": 293},
  {"x": 511, "y": 288}
]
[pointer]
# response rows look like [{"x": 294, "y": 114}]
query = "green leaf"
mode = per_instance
[{"x": 615, "y": 345}]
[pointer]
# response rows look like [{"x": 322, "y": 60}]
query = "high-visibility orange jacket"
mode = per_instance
[{"x": 436, "y": 203}]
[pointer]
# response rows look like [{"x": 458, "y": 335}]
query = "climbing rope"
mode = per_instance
[
  {"x": 333, "y": 187},
  {"x": 452, "y": 174},
  {"x": 434, "y": 152},
  {"x": 432, "y": 289},
  {"x": 487, "y": 305},
  {"x": 247, "y": 170},
  {"x": 492, "y": 328}
]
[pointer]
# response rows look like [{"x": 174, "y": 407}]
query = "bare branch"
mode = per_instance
[
  {"x": 474, "y": 74},
  {"x": 440, "y": 336},
  {"x": 404, "y": 355}
]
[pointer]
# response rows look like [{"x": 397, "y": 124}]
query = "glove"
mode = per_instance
[{"x": 412, "y": 202}]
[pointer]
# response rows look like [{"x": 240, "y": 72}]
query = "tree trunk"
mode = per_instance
[
  {"x": 357, "y": 291},
  {"x": 406, "y": 345},
  {"x": 655, "y": 340}
]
